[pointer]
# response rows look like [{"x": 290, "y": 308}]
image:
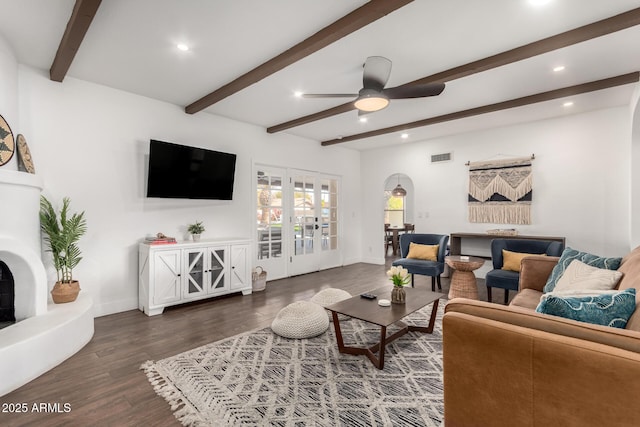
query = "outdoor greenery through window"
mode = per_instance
[
  {"x": 269, "y": 215},
  {"x": 393, "y": 209}
]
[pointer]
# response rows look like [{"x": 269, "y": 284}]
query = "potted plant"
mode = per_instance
[
  {"x": 196, "y": 230},
  {"x": 62, "y": 235},
  {"x": 399, "y": 276}
]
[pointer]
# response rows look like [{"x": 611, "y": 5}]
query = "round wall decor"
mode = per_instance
[
  {"x": 7, "y": 143},
  {"x": 25, "y": 162}
]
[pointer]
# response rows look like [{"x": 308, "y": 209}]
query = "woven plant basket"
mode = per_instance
[
  {"x": 258, "y": 279},
  {"x": 65, "y": 292}
]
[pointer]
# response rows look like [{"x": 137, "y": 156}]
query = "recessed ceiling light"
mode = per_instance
[
  {"x": 297, "y": 94},
  {"x": 568, "y": 104},
  {"x": 363, "y": 119},
  {"x": 183, "y": 47},
  {"x": 539, "y": 2},
  {"x": 559, "y": 68},
  {"x": 404, "y": 136}
]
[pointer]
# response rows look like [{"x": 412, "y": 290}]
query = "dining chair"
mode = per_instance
[{"x": 388, "y": 239}]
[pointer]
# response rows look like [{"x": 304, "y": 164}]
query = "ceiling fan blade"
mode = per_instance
[
  {"x": 329, "y": 95},
  {"x": 414, "y": 91},
  {"x": 376, "y": 73}
]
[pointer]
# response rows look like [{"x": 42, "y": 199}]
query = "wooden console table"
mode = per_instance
[{"x": 455, "y": 241}]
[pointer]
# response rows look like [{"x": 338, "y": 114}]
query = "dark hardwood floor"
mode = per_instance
[{"x": 103, "y": 385}]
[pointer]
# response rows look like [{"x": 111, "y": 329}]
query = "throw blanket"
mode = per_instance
[{"x": 500, "y": 191}]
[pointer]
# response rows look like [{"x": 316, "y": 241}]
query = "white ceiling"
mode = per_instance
[{"x": 131, "y": 45}]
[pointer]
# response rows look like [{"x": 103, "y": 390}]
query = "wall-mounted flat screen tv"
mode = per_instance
[{"x": 181, "y": 172}]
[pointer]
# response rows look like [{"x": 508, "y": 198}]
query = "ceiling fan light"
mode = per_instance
[{"x": 370, "y": 100}]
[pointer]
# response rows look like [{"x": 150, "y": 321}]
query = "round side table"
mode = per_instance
[{"x": 463, "y": 281}]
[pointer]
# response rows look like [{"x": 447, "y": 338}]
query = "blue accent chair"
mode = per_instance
[
  {"x": 421, "y": 266},
  {"x": 509, "y": 280}
]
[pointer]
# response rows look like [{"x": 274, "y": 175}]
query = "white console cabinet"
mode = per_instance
[{"x": 182, "y": 272}]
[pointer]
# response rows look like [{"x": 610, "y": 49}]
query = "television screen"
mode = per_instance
[{"x": 181, "y": 172}]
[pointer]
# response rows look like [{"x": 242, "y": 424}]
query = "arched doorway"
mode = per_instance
[{"x": 398, "y": 210}]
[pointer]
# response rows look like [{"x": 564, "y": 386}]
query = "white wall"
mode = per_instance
[
  {"x": 9, "y": 94},
  {"x": 634, "y": 160},
  {"x": 90, "y": 142},
  {"x": 581, "y": 176}
]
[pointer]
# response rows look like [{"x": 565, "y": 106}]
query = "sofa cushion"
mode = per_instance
[
  {"x": 569, "y": 255},
  {"x": 426, "y": 252},
  {"x": 526, "y": 298},
  {"x": 610, "y": 309},
  {"x": 630, "y": 268},
  {"x": 511, "y": 260},
  {"x": 580, "y": 277}
]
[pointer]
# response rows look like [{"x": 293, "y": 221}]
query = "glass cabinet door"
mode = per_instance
[
  {"x": 196, "y": 274},
  {"x": 217, "y": 270}
]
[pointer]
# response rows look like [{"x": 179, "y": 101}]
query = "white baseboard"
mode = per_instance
[
  {"x": 113, "y": 307},
  {"x": 372, "y": 260}
]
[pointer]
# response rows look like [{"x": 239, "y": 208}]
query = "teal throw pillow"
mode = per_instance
[
  {"x": 569, "y": 255},
  {"x": 610, "y": 309}
]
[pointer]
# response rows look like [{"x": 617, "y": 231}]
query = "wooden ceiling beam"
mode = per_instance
[
  {"x": 77, "y": 27},
  {"x": 610, "y": 25},
  {"x": 362, "y": 16},
  {"x": 513, "y": 103}
]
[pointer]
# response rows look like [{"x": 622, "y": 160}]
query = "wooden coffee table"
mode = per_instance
[{"x": 369, "y": 311}]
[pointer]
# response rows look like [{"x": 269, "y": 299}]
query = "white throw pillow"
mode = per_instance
[{"x": 580, "y": 277}]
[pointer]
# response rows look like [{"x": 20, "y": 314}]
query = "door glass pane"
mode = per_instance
[
  {"x": 329, "y": 214},
  {"x": 269, "y": 214},
  {"x": 304, "y": 213}
]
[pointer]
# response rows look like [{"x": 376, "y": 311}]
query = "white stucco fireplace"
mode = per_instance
[
  {"x": 20, "y": 241},
  {"x": 45, "y": 334}
]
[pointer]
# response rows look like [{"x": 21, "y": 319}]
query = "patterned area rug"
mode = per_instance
[{"x": 260, "y": 379}]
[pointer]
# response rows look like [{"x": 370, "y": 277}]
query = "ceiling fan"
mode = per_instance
[{"x": 373, "y": 96}]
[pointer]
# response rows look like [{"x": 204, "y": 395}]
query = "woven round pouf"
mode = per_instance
[
  {"x": 302, "y": 319},
  {"x": 330, "y": 296}
]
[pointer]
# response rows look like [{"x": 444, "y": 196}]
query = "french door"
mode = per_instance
[
  {"x": 314, "y": 224},
  {"x": 271, "y": 207},
  {"x": 297, "y": 217}
]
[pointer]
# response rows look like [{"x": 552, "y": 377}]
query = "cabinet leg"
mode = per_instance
[
  {"x": 154, "y": 311},
  {"x": 247, "y": 292}
]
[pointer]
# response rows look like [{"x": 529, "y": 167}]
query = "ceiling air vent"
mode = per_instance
[{"x": 444, "y": 157}]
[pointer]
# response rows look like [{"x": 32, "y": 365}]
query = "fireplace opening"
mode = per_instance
[{"x": 7, "y": 297}]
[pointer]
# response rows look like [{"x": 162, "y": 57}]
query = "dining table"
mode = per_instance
[{"x": 395, "y": 239}]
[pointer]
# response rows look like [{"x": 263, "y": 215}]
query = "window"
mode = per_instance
[{"x": 393, "y": 210}]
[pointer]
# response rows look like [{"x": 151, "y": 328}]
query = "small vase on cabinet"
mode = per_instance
[{"x": 398, "y": 295}]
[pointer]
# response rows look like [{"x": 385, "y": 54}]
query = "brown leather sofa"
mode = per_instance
[{"x": 510, "y": 366}]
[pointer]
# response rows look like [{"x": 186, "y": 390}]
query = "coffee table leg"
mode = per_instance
[
  {"x": 336, "y": 326},
  {"x": 383, "y": 345},
  {"x": 432, "y": 321}
]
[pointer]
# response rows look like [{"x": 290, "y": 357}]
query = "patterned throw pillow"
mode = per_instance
[
  {"x": 426, "y": 252},
  {"x": 580, "y": 276},
  {"x": 610, "y": 309},
  {"x": 569, "y": 255}
]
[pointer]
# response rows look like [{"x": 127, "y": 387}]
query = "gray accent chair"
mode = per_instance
[
  {"x": 420, "y": 266},
  {"x": 509, "y": 280}
]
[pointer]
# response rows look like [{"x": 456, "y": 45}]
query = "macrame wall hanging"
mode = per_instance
[{"x": 500, "y": 191}]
